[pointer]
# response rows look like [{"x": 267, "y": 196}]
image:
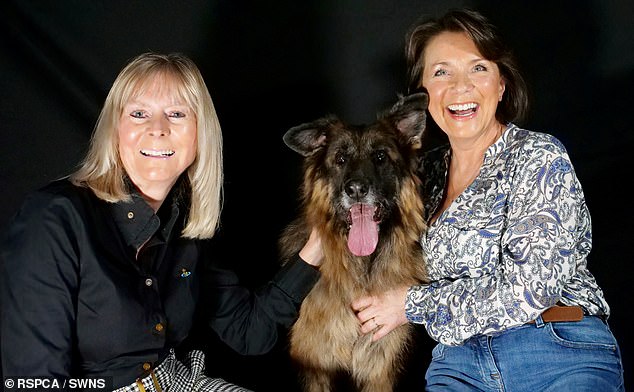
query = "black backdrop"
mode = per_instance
[{"x": 272, "y": 65}]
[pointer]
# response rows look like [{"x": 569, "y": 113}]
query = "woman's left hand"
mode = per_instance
[{"x": 381, "y": 313}]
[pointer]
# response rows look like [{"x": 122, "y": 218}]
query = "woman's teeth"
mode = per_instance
[
  {"x": 157, "y": 153},
  {"x": 462, "y": 107}
]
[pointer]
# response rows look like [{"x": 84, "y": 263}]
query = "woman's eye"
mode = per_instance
[
  {"x": 177, "y": 114},
  {"x": 479, "y": 68},
  {"x": 440, "y": 72},
  {"x": 138, "y": 114}
]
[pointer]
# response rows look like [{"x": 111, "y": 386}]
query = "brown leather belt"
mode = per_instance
[{"x": 561, "y": 313}]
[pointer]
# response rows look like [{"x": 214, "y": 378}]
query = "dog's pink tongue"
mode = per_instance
[{"x": 364, "y": 232}]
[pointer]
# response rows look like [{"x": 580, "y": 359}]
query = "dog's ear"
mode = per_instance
[
  {"x": 409, "y": 116},
  {"x": 307, "y": 138}
]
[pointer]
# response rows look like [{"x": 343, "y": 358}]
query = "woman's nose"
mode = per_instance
[
  {"x": 160, "y": 126},
  {"x": 462, "y": 82}
]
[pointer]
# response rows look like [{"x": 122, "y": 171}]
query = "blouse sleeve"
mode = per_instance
[
  {"x": 248, "y": 321},
  {"x": 546, "y": 231}
]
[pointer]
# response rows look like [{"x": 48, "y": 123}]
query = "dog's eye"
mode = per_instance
[
  {"x": 380, "y": 156},
  {"x": 340, "y": 159}
]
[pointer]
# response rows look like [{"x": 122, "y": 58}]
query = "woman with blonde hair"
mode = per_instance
[{"x": 104, "y": 271}]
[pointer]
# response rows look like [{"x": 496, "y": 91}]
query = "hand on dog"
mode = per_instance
[
  {"x": 312, "y": 252},
  {"x": 381, "y": 313}
]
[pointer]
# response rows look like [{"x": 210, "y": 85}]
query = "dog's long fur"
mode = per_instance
[{"x": 326, "y": 341}]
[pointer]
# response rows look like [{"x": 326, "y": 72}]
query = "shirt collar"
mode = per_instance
[
  {"x": 137, "y": 221},
  {"x": 496, "y": 148},
  {"x": 435, "y": 166}
]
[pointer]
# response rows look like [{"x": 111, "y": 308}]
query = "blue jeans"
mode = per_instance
[{"x": 564, "y": 356}]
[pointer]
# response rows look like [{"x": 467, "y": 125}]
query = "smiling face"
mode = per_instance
[
  {"x": 464, "y": 88},
  {"x": 157, "y": 138}
]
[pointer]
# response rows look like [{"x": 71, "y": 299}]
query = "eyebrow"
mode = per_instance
[{"x": 446, "y": 62}]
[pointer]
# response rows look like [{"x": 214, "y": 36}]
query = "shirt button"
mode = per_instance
[
  {"x": 148, "y": 282},
  {"x": 147, "y": 366},
  {"x": 130, "y": 215},
  {"x": 158, "y": 327}
]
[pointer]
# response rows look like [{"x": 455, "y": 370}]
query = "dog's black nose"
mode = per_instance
[{"x": 356, "y": 189}]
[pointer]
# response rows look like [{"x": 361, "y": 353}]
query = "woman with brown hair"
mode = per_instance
[{"x": 511, "y": 301}]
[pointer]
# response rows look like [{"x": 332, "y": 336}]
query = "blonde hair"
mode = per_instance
[{"x": 102, "y": 170}]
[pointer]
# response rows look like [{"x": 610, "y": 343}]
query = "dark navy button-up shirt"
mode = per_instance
[{"x": 91, "y": 288}]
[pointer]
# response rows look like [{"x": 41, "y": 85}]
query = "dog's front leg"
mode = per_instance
[
  {"x": 377, "y": 365},
  {"x": 317, "y": 381}
]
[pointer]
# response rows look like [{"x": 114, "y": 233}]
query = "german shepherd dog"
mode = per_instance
[{"x": 360, "y": 192}]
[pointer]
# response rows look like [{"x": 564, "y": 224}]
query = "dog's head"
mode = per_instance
[{"x": 355, "y": 173}]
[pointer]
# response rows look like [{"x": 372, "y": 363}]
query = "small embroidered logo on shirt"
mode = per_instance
[{"x": 185, "y": 273}]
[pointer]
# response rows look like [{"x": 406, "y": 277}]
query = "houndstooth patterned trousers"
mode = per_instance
[{"x": 173, "y": 375}]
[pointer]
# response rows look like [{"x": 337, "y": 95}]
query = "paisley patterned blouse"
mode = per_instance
[{"x": 511, "y": 245}]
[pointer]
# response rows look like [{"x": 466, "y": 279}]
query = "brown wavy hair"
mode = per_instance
[{"x": 485, "y": 36}]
